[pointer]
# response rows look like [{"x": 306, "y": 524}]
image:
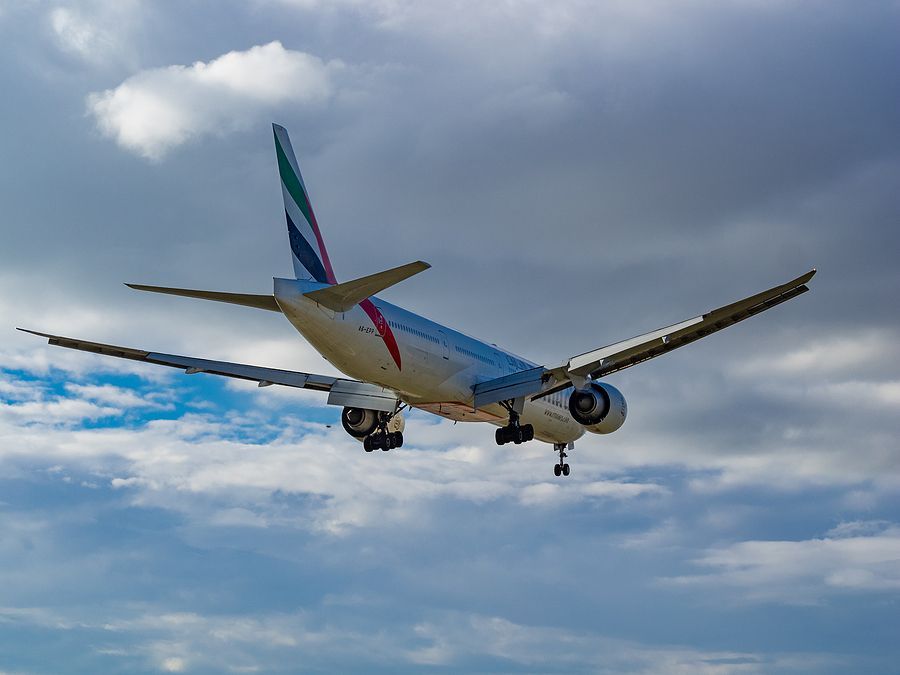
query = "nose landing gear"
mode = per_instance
[{"x": 562, "y": 468}]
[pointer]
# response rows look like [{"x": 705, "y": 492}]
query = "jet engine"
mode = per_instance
[
  {"x": 601, "y": 408},
  {"x": 361, "y": 422}
]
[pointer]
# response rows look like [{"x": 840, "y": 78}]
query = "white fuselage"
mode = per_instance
[{"x": 430, "y": 366}]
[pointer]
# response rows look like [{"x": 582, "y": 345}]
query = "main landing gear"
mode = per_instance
[
  {"x": 513, "y": 432},
  {"x": 562, "y": 468},
  {"x": 381, "y": 438}
]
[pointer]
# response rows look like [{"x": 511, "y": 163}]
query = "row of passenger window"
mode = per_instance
[
  {"x": 414, "y": 331},
  {"x": 475, "y": 355}
]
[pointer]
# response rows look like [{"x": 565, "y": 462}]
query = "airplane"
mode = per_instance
[{"x": 395, "y": 359}]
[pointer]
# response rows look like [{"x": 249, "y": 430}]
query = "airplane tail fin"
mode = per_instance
[{"x": 307, "y": 247}]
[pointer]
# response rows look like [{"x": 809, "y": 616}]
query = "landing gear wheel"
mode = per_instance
[
  {"x": 527, "y": 433},
  {"x": 562, "y": 468},
  {"x": 398, "y": 439},
  {"x": 368, "y": 446},
  {"x": 512, "y": 432}
]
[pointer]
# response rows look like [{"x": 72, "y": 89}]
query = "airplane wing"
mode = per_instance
[
  {"x": 621, "y": 355},
  {"x": 539, "y": 382},
  {"x": 341, "y": 391}
]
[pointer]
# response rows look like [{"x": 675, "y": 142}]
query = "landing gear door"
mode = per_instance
[{"x": 444, "y": 344}]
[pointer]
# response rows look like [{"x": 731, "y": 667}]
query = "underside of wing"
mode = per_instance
[
  {"x": 342, "y": 391},
  {"x": 620, "y": 355},
  {"x": 192, "y": 365}
]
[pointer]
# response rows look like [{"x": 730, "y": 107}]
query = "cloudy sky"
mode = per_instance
[{"x": 576, "y": 172}]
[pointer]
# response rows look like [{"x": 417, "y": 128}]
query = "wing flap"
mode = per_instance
[
  {"x": 353, "y": 394},
  {"x": 523, "y": 383}
]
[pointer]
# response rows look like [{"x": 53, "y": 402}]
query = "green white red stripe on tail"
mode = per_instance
[{"x": 308, "y": 252}]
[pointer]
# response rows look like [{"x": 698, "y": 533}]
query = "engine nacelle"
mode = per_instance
[
  {"x": 360, "y": 422},
  {"x": 600, "y": 408}
]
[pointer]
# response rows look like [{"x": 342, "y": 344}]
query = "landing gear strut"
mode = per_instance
[
  {"x": 381, "y": 438},
  {"x": 513, "y": 432},
  {"x": 562, "y": 468}
]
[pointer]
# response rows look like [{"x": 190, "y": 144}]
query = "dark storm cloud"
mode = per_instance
[{"x": 576, "y": 173}]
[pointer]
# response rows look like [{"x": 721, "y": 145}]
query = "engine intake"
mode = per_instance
[
  {"x": 600, "y": 408},
  {"x": 359, "y": 422}
]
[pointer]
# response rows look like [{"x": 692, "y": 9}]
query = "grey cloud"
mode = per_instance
[{"x": 576, "y": 173}]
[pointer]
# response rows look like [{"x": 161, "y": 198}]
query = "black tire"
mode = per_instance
[
  {"x": 528, "y": 433},
  {"x": 367, "y": 444},
  {"x": 399, "y": 443},
  {"x": 565, "y": 469},
  {"x": 387, "y": 442},
  {"x": 500, "y": 436},
  {"x": 556, "y": 470}
]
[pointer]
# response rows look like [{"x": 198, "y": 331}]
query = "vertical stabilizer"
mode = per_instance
[{"x": 307, "y": 247}]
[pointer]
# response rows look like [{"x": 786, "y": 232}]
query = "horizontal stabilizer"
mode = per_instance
[
  {"x": 345, "y": 296},
  {"x": 245, "y": 299}
]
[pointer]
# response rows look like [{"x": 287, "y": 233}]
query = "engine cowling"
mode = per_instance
[
  {"x": 360, "y": 422},
  {"x": 600, "y": 408}
]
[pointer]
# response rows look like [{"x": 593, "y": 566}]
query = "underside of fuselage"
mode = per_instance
[{"x": 428, "y": 377}]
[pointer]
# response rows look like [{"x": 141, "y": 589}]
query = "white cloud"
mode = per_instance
[
  {"x": 246, "y": 643},
  {"x": 832, "y": 356},
  {"x": 13, "y": 389},
  {"x": 156, "y": 110},
  {"x": 224, "y": 470},
  {"x": 96, "y": 32},
  {"x": 174, "y": 664},
  {"x": 56, "y": 412},
  {"x": 452, "y": 638},
  {"x": 852, "y": 557},
  {"x": 877, "y": 394},
  {"x": 116, "y": 396}
]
